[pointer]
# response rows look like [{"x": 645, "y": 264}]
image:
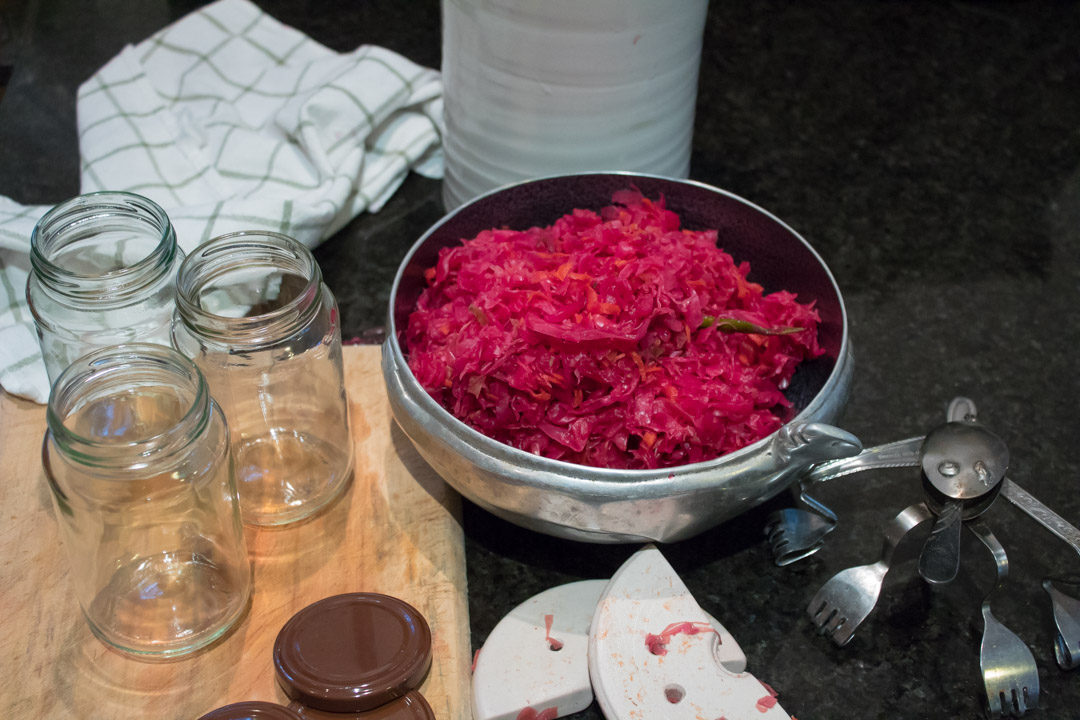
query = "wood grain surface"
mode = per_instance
[{"x": 396, "y": 530}]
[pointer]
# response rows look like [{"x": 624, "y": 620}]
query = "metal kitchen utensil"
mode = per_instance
[
  {"x": 962, "y": 463},
  {"x": 897, "y": 454},
  {"x": 1067, "y": 621},
  {"x": 1010, "y": 676},
  {"x": 1043, "y": 515},
  {"x": 940, "y": 558},
  {"x": 848, "y": 597},
  {"x": 1066, "y": 609},
  {"x": 961, "y": 409},
  {"x": 795, "y": 533},
  {"x": 963, "y": 470},
  {"x": 902, "y": 453}
]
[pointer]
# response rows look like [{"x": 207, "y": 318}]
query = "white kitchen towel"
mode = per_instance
[{"x": 232, "y": 121}]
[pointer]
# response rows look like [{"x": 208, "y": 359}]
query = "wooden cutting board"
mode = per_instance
[{"x": 396, "y": 530}]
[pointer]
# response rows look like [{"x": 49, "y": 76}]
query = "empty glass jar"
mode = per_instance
[
  {"x": 256, "y": 317},
  {"x": 103, "y": 271},
  {"x": 137, "y": 457}
]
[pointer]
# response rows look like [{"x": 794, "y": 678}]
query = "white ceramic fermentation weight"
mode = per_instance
[{"x": 537, "y": 657}]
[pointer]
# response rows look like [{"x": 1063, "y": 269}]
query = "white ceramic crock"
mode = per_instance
[{"x": 536, "y": 88}]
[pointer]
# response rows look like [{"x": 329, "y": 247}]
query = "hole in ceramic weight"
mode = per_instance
[{"x": 674, "y": 693}]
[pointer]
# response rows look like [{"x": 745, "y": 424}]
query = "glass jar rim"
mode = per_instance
[
  {"x": 224, "y": 253},
  {"x": 109, "y": 367},
  {"x": 115, "y": 285}
]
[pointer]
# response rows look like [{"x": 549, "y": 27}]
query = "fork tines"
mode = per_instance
[
  {"x": 1010, "y": 701},
  {"x": 830, "y": 621}
]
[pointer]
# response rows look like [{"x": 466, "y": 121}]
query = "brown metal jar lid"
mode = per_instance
[
  {"x": 352, "y": 652},
  {"x": 252, "y": 710},
  {"x": 413, "y": 706}
]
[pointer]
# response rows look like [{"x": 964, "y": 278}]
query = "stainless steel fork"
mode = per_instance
[
  {"x": 847, "y": 598},
  {"x": 795, "y": 533},
  {"x": 1066, "y": 621},
  {"x": 1010, "y": 676}
]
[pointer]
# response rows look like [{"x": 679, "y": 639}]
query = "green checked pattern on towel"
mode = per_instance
[{"x": 232, "y": 121}]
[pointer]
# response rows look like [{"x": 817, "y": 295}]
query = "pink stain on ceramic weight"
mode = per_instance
[
  {"x": 552, "y": 642},
  {"x": 657, "y": 644}
]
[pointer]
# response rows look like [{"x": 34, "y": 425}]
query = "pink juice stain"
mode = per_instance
[
  {"x": 552, "y": 642},
  {"x": 657, "y": 644},
  {"x": 767, "y": 702},
  {"x": 475, "y": 658}
]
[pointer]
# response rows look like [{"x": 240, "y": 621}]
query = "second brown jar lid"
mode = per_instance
[
  {"x": 413, "y": 706},
  {"x": 252, "y": 710},
  {"x": 352, "y": 652}
]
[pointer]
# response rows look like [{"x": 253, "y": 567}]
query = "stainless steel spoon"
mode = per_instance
[
  {"x": 1066, "y": 608},
  {"x": 962, "y": 464}
]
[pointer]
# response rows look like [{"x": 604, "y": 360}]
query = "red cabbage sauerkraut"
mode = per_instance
[{"x": 611, "y": 339}]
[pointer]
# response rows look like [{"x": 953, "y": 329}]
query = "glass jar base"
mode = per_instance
[
  {"x": 168, "y": 605},
  {"x": 285, "y": 475}
]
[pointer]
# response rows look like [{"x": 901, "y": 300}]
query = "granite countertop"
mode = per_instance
[{"x": 929, "y": 152}]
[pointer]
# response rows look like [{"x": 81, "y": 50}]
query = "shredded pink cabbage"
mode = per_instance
[{"x": 607, "y": 339}]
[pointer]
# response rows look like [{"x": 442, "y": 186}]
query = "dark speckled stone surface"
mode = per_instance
[{"x": 929, "y": 151}]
